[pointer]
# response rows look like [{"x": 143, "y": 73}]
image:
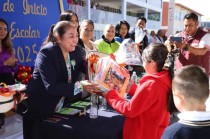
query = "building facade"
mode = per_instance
[
  {"x": 179, "y": 12},
  {"x": 103, "y": 12}
]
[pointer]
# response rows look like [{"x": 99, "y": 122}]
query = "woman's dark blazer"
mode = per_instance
[{"x": 50, "y": 81}]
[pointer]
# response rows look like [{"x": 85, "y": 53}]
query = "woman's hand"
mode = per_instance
[
  {"x": 90, "y": 87},
  {"x": 11, "y": 61}
]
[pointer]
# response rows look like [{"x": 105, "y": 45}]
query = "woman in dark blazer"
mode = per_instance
[{"x": 55, "y": 77}]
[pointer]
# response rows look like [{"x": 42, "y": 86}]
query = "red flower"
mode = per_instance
[{"x": 24, "y": 74}]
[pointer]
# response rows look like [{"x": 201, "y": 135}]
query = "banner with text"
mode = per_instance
[{"x": 29, "y": 22}]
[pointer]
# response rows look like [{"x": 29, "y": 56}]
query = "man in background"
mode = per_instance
[
  {"x": 195, "y": 47},
  {"x": 141, "y": 23}
]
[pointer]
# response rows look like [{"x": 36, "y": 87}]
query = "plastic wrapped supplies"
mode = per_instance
[
  {"x": 139, "y": 35},
  {"x": 128, "y": 53}
]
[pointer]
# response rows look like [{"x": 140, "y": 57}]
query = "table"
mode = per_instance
[{"x": 108, "y": 125}]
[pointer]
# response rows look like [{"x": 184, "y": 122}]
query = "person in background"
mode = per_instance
[
  {"x": 190, "y": 87},
  {"x": 164, "y": 35},
  {"x": 146, "y": 114},
  {"x": 107, "y": 43},
  {"x": 85, "y": 42},
  {"x": 160, "y": 36},
  {"x": 55, "y": 77},
  {"x": 50, "y": 38},
  {"x": 71, "y": 16},
  {"x": 8, "y": 62},
  {"x": 86, "y": 35},
  {"x": 141, "y": 23},
  {"x": 67, "y": 15},
  {"x": 152, "y": 38},
  {"x": 195, "y": 47},
  {"x": 121, "y": 31}
]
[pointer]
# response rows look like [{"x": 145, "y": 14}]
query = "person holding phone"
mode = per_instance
[
  {"x": 176, "y": 39},
  {"x": 195, "y": 45}
]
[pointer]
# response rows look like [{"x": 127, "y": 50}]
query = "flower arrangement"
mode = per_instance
[
  {"x": 93, "y": 58},
  {"x": 24, "y": 74}
]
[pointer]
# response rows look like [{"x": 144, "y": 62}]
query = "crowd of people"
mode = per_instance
[{"x": 60, "y": 76}]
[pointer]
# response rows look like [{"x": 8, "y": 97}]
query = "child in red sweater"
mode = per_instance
[{"x": 146, "y": 114}]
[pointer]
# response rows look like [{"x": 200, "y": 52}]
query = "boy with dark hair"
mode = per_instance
[{"x": 190, "y": 90}]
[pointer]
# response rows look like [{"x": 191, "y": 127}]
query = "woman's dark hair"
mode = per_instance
[
  {"x": 156, "y": 52},
  {"x": 118, "y": 26},
  {"x": 50, "y": 37},
  {"x": 87, "y": 21},
  {"x": 6, "y": 42},
  {"x": 66, "y": 15},
  {"x": 61, "y": 27}
]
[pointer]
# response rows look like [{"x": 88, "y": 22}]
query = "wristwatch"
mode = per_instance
[{"x": 186, "y": 47}]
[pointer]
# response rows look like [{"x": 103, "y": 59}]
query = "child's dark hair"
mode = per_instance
[
  {"x": 192, "y": 82},
  {"x": 158, "y": 52}
]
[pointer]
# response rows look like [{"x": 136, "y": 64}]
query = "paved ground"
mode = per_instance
[{"x": 13, "y": 128}]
